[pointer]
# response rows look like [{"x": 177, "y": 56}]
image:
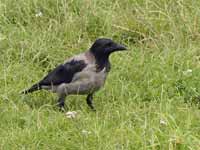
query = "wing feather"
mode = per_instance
[{"x": 63, "y": 73}]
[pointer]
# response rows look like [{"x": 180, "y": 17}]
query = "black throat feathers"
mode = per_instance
[{"x": 102, "y": 62}]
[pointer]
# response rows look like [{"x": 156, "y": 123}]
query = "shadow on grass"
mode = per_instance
[{"x": 42, "y": 100}]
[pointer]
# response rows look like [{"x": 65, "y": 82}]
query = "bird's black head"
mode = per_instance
[
  {"x": 104, "y": 47},
  {"x": 101, "y": 49}
]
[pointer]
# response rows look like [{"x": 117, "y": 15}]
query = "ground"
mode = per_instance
[{"x": 150, "y": 99}]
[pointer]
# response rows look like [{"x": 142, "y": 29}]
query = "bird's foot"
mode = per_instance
[
  {"x": 92, "y": 107},
  {"x": 62, "y": 109},
  {"x": 61, "y": 106}
]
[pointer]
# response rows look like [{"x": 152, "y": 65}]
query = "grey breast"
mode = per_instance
[{"x": 84, "y": 82}]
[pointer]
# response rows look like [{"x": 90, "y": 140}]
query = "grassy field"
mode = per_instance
[{"x": 152, "y": 95}]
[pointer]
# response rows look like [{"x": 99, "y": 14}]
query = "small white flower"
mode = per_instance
[
  {"x": 85, "y": 132},
  {"x": 39, "y": 14},
  {"x": 187, "y": 72},
  {"x": 163, "y": 122},
  {"x": 71, "y": 114}
]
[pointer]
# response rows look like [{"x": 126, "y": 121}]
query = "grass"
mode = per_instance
[{"x": 151, "y": 97}]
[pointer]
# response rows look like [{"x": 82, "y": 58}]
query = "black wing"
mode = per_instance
[{"x": 63, "y": 73}]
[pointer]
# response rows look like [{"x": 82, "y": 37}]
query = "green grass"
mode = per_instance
[{"x": 151, "y": 98}]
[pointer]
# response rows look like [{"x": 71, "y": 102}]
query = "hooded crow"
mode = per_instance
[{"x": 82, "y": 74}]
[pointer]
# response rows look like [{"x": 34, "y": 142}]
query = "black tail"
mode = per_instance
[{"x": 35, "y": 87}]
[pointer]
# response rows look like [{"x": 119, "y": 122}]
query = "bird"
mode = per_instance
[{"x": 82, "y": 74}]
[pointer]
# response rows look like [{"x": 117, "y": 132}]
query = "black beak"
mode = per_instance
[
  {"x": 120, "y": 47},
  {"x": 117, "y": 47}
]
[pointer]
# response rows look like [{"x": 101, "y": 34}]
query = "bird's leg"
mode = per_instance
[
  {"x": 61, "y": 102},
  {"x": 89, "y": 101}
]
